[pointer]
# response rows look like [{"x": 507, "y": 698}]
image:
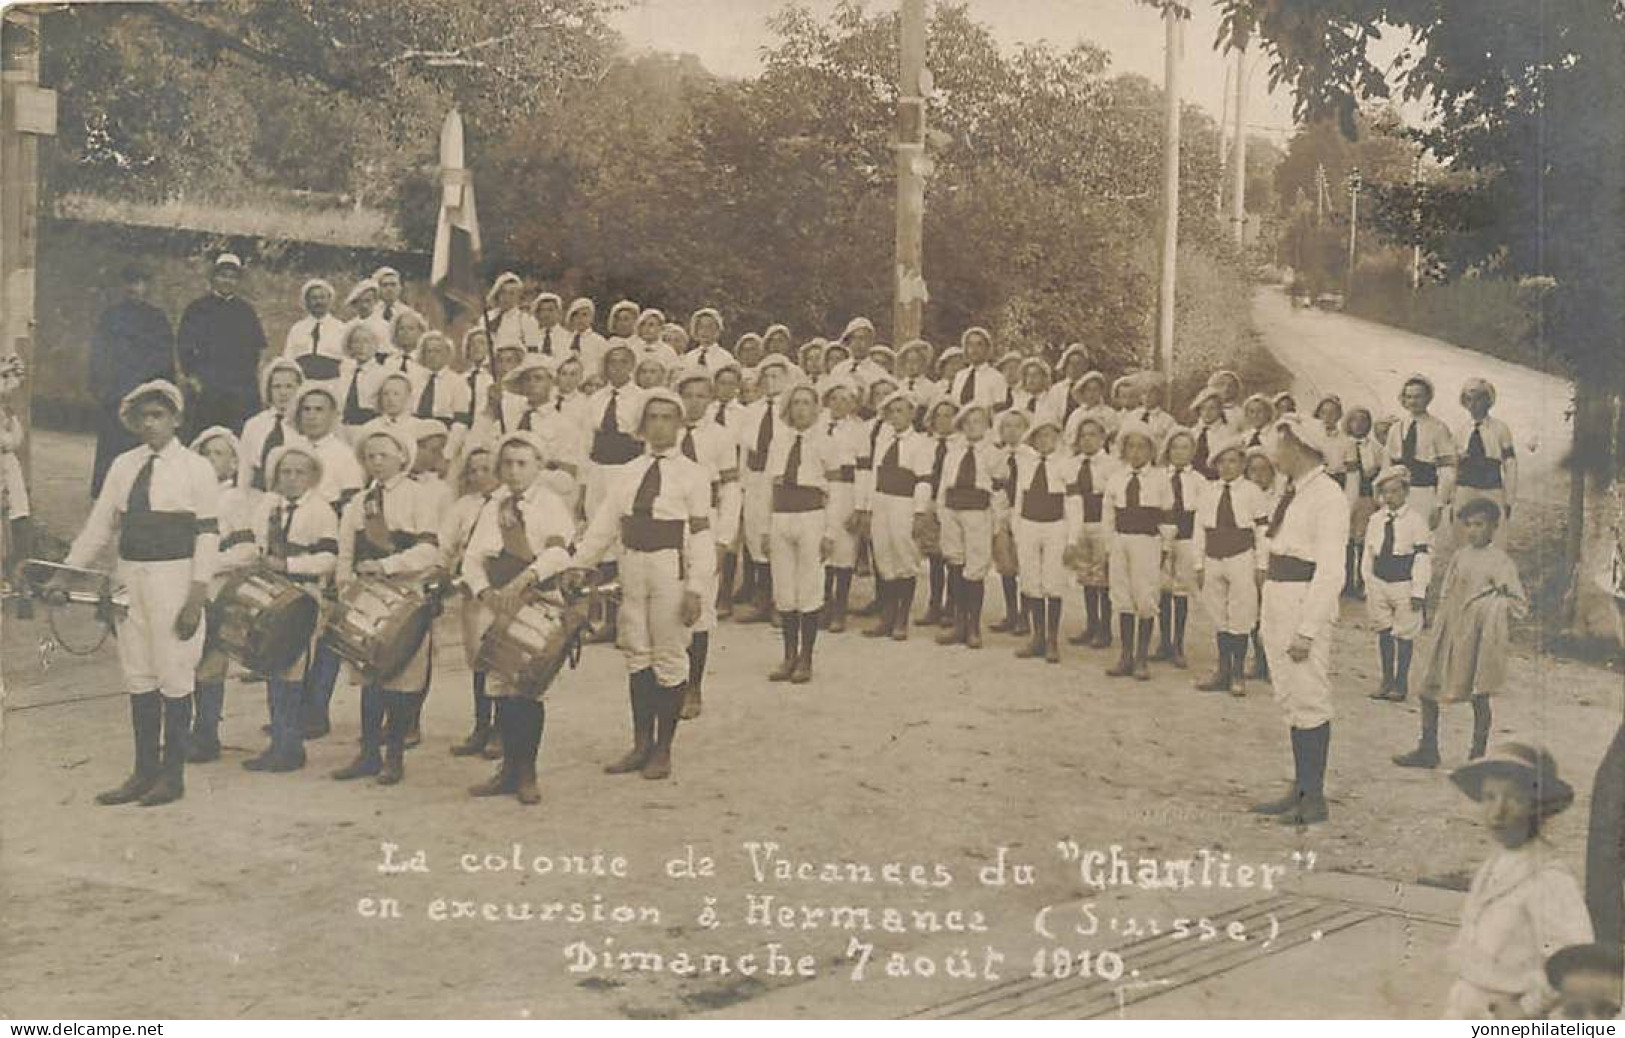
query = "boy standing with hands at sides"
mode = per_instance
[
  {"x": 1231, "y": 560},
  {"x": 1397, "y": 568},
  {"x": 1423, "y": 444},
  {"x": 1046, "y": 526},
  {"x": 970, "y": 510},
  {"x": 1096, "y": 467},
  {"x": 1179, "y": 578},
  {"x": 1136, "y": 513},
  {"x": 1479, "y": 596},
  {"x": 1012, "y": 430}
]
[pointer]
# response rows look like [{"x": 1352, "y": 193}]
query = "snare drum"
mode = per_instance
[
  {"x": 528, "y": 648},
  {"x": 378, "y": 625},
  {"x": 263, "y": 620}
]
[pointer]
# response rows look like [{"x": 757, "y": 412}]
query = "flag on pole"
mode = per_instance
[{"x": 455, "y": 271}]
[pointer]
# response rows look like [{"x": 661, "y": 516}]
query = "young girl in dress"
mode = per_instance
[
  {"x": 1466, "y": 659},
  {"x": 1363, "y": 459}
]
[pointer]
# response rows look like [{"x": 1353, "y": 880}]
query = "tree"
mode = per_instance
[{"x": 1532, "y": 108}]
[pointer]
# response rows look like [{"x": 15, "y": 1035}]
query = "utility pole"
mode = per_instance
[
  {"x": 1238, "y": 152},
  {"x": 1320, "y": 194},
  {"x": 27, "y": 113},
  {"x": 1170, "y": 192},
  {"x": 913, "y": 166},
  {"x": 1416, "y": 224},
  {"x": 1354, "y": 226},
  {"x": 1224, "y": 151}
]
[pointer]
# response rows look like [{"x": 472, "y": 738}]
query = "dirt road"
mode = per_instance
[{"x": 250, "y": 897}]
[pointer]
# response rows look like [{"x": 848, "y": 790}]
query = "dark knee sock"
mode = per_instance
[
  {"x": 1182, "y": 612},
  {"x": 1165, "y": 617},
  {"x": 809, "y": 633},
  {"x": 1125, "y": 631},
  {"x": 1011, "y": 599},
  {"x": 482, "y": 702},
  {"x": 1052, "y": 618},
  {"x": 1402, "y": 664},
  {"x": 699, "y": 647},
  {"x": 1091, "y": 608},
  {"x": 1385, "y": 649},
  {"x": 1144, "y": 635},
  {"x": 937, "y": 577},
  {"x": 1481, "y": 725},
  {"x": 790, "y": 631},
  {"x": 843, "y": 585}
]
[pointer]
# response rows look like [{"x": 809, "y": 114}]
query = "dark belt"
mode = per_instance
[
  {"x": 1139, "y": 520},
  {"x": 1423, "y": 473},
  {"x": 797, "y": 499},
  {"x": 304, "y": 578},
  {"x": 1479, "y": 473},
  {"x": 1184, "y": 525},
  {"x": 156, "y": 536},
  {"x": 844, "y": 474},
  {"x": 968, "y": 499},
  {"x": 895, "y": 481},
  {"x": 1289, "y": 569},
  {"x": 1395, "y": 569},
  {"x": 642, "y": 534},
  {"x": 1043, "y": 508},
  {"x": 318, "y": 367},
  {"x": 503, "y": 567},
  {"x": 614, "y": 448},
  {"x": 1227, "y": 544},
  {"x": 366, "y": 551}
]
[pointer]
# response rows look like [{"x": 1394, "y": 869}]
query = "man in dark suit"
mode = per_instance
[
  {"x": 132, "y": 344},
  {"x": 218, "y": 347}
]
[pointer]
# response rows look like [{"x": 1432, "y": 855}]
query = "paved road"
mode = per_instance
[{"x": 1366, "y": 363}]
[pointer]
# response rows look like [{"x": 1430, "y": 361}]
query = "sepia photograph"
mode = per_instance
[{"x": 802, "y": 510}]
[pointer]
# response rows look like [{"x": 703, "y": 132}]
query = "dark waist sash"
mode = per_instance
[
  {"x": 1138, "y": 520},
  {"x": 366, "y": 551},
  {"x": 1227, "y": 544},
  {"x": 968, "y": 499},
  {"x": 1184, "y": 525},
  {"x": 895, "y": 481},
  {"x": 1479, "y": 473},
  {"x": 1043, "y": 508},
  {"x": 797, "y": 499},
  {"x": 614, "y": 448},
  {"x": 1094, "y": 506},
  {"x": 1395, "y": 569},
  {"x": 318, "y": 367},
  {"x": 641, "y": 534},
  {"x": 1423, "y": 473},
  {"x": 844, "y": 474},
  {"x": 503, "y": 567},
  {"x": 1289, "y": 569},
  {"x": 157, "y": 536}
]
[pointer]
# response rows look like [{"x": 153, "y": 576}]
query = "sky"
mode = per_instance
[{"x": 728, "y": 35}]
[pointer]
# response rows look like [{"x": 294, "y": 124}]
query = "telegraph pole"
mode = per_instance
[
  {"x": 27, "y": 113},
  {"x": 913, "y": 166},
  {"x": 1354, "y": 224},
  {"x": 1170, "y": 192},
  {"x": 1238, "y": 151},
  {"x": 1224, "y": 127}
]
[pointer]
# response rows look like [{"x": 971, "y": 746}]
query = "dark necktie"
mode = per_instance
[
  {"x": 1010, "y": 479},
  {"x": 273, "y": 440},
  {"x": 1200, "y": 460},
  {"x": 547, "y": 341},
  {"x": 609, "y": 423},
  {"x": 1032, "y": 404},
  {"x": 643, "y": 502},
  {"x": 515, "y": 538},
  {"x": 764, "y": 434},
  {"x": 1086, "y": 478},
  {"x": 282, "y": 528},
  {"x": 575, "y": 344},
  {"x": 722, "y": 408},
  {"x": 688, "y": 444},
  {"x": 140, "y": 499},
  {"x": 965, "y": 478},
  {"x": 938, "y": 461},
  {"x": 353, "y": 415},
  {"x": 1226, "y": 517},
  {"x": 890, "y": 460},
  {"x": 373, "y": 522},
  {"x": 1040, "y": 483},
  {"x": 1179, "y": 491},
  {"x": 1131, "y": 497},
  {"x": 792, "y": 464},
  {"x": 1280, "y": 511},
  {"x": 1145, "y": 416},
  {"x": 1257, "y": 439},
  {"x": 524, "y": 423},
  {"x": 1475, "y": 444},
  {"x": 468, "y": 538},
  {"x": 389, "y": 311},
  {"x": 1407, "y": 447},
  {"x": 1387, "y": 550},
  {"x": 315, "y": 336},
  {"x": 705, "y": 354},
  {"x": 968, "y": 393},
  {"x": 426, "y": 399}
]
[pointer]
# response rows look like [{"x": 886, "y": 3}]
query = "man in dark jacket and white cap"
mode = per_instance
[{"x": 218, "y": 346}]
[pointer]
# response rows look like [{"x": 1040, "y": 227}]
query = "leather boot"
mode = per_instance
[
  {"x": 837, "y": 604},
  {"x": 809, "y": 636},
  {"x": 1403, "y": 647},
  {"x": 885, "y": 596},
  {"x": 1182, "y": 607},
  {"x": 171, "y": 784},
  {"x": 146, "y": 721},
  {"x": 975, "y": 591},
  {"x": 1261, "y": 661},
  {"x": 1219, "y": 680},
  {"x": 474, "y": 745},
  {"x": 207, "y": 702},
  {"x": 1103, "y": 636},
  {"x": 790, "y": 633},
  {"x": 1426, "y": 754},
  {"x": 955, "y": 634},
  {"x": 903, "y": 607},
  {"x": 1125, "y": 658},
  {"x": 1385, "y": 652},
  {"x": 1033, "y": 609},
  {"x": 1052, "y": 631},
  {"x": 1238, "y": 664},
  {"x": 505, "y": 779},
  {"x": 1288, "y": 803},
  {"x": 1312, "y": 809},
  {"x": 1012, "y": 607},
  {"x": 667, "y": 704},
  {"x": 396, "y": 727},
  {"x": 937, "y": 578},
  {"x": 531, "y": 720},
  {"x": 1165, "y": 629},
  {"x": 368, "y": 760},
  {"x": 1142, "y": 669},
  {"x": 699, "y": 648},
  {"x": 643, "y": 724},
  {"x": 287, "y": 744}
]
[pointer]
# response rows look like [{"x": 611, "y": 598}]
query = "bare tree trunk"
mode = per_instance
[{"x": 1594, "y": 512}]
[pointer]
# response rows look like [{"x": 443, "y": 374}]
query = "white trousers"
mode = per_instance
[
  {"x": 1039, "y": 551},
  {"x": 651, "y": 632},
  {"x": 891, "y": 528},
  {"x": 1302, "y": 690},
  {"x": 796, "y": 562},
  {"x": 152, "y": 657},
  {"x": 1230, "y": 593}
]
